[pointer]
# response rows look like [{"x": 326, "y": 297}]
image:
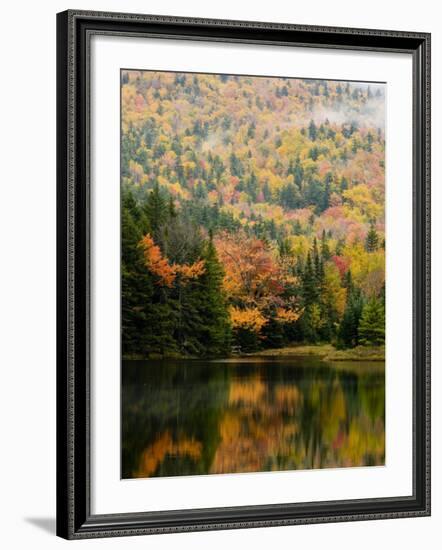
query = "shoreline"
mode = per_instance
[{"x": 325, "y": 352}]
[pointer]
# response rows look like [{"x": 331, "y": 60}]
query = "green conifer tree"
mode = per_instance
[
  {"x": 309, "y": 286},
  {"x": 148, "y": 313},
  {"x": 372, "y": 239},
  {"x": 215, "y": 329},
  {"x": 348, "y": 332},
  {"x": 310, "y": 296},
  {"x": 298, "y": 172},
  {"x": 325, "y": 249},
  {"x": 372, "y": 323},
  {"x": 312, "y": 131},
  {"x": 156, "y": 211}
]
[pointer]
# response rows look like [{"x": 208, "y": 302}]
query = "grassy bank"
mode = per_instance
[
  {"x": 156, "y": 356},
  {"x": 326, "y": 352}
]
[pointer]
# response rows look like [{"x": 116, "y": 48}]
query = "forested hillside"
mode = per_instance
[{"x": 252, "y": 213}]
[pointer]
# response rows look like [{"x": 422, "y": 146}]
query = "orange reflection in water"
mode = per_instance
[
  {"x": 250, "y": 422},
  {"x": 154, "y": 454}
]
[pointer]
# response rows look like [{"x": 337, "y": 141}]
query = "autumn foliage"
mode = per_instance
[
  {"x": 283, "y": 179},
  {"x": 247, "y": 318},
  {"x": 253, "y": 275},
  {"x": 155, "y": 262},
  {"x": 166, "y": 272}
]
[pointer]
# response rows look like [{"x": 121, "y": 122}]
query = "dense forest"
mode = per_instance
[{"x": 252, "y": 213}]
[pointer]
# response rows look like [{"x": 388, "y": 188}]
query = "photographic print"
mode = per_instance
[
  {"x": 243, "y": 274},
  {"x": 252, "y": 274}
]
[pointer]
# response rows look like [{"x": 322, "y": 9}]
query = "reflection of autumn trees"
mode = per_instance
[
  {"x": 166, "y": 410},
  {"x": 268, "y": 422},
  {"x": 255, "y": 427},
  {"x": 276, "y": 428},
  {"x": 162, "y": 447},
  {"x": 359, "y": 439}
]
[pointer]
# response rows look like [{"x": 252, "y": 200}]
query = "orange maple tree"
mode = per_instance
[
  {"x": 252, "y": 274},
  {"x": 166, "y": 272}
]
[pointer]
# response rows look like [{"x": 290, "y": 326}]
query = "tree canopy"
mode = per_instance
[{"x": 252, "y": 213}]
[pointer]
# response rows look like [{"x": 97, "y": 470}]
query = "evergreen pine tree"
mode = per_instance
[
  {"x": 236, "y": 168},
  {"x": 325, "y": 250},
  {"x": 291, "y": 168},
  {"x": 326, "y": 196},
  {"x": 215, "y": 328},
  {"x": 347, "y": 281},
  {"x": 348, "y": 332},
  {"x": 284, "y": 247},
  {"x": 251, "y": 131},
  {"x": 318, "y": 269},
  {"x": 136, "y": 284},
  {"x": 297, "y": 228},
  {"x": 372, "y": 323},
  {"x": 289, "y": 196},
  {"x": 172, "y": 210},
  {"x": 309, "y": 286},
  {"x": 309, "y": 320},
  {"x": 298, "y": 172},
  {"x": 312, "y": 131},
  {"x": 267, "y": 192},
  {"x": 252, "y": 186},
  {"x": 372, "y": 239},
  {"x": 156, "y": 210},
  {"x": 148, "y": 314}
]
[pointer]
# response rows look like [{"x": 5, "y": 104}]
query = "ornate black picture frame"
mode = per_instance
[{"x": 74, "y": 518}]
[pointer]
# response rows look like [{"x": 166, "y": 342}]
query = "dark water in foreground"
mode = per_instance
[{"x": 202, "y": 417}]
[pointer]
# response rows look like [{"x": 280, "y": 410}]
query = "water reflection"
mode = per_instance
[{"x": 189, "y": 417}]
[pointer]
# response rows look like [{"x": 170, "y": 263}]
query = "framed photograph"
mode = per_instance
[{"x": 243, "y": 274}]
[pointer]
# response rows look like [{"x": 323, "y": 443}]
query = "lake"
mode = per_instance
[{"x": 189, "y": 417}]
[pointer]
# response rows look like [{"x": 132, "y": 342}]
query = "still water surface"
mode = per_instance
[{"x": 203, "y": 417}]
